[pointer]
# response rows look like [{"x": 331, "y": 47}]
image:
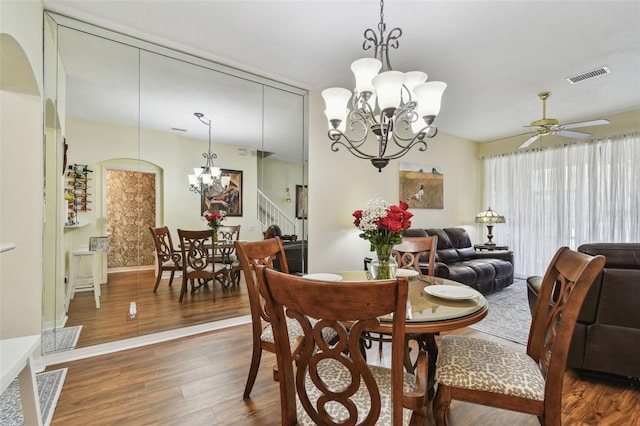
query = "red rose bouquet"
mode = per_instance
[
  {"x": 214, "y": 220},
  {"x": 383, "y": 225}
]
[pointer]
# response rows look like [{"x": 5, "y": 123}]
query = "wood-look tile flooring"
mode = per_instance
[
  {"x": 157, "y": 312},
  {"x": 199, "y": 380}
]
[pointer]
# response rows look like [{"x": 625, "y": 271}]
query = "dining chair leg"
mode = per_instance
[
  {"x": 183, "y": 290},
  {"x": 171, "y": 277},
  {"x": 441, "y": 404},
  {"x": 253, "y": 370},
  {"x": 158, "y": 278}
]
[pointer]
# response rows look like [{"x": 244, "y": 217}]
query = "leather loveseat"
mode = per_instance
[
  {"x": 607, "y": 335},
  {"x": 294, "y": 249},
  {"x": 456, "y": 259}
]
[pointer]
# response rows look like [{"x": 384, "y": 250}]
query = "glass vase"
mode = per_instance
[{"x": 384, "y": 266}]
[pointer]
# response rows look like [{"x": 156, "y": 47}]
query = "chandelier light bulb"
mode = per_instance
[
  {"x": 365, "y": 70},
  {"x": 413, "y": 78},
  {"x": 336, "y": 100},
  {"x": 429, "y": 98},
  {"x": 388, "y": 87}
]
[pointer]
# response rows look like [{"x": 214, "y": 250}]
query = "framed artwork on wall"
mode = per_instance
[
  {"x": 301, "y": 201},
  {"x": 422, "y": 186},
  {"x": 229, "y": 200}
]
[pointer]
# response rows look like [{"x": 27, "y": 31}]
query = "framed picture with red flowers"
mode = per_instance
[
  {"x": 301, "y": 201},
  {"x": 229, "y": 200}
]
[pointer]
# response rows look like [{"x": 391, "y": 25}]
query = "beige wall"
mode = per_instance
[
  {"x": 21, "y": 180},
  {"x": 339, "y": 184}
]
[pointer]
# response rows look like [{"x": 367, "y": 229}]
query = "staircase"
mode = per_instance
[{"x": 270, "y": 214}]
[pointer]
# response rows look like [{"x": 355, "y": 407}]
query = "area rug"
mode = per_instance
[
  {"x": 509, "y": 316},
  {"x": 49, "y": 388},
  {"x": 60, "y": 339}
]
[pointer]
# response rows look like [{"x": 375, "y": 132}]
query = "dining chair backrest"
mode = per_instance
[
  {"x": 569, "y": 277},
  {"x": 164, "y": 245},
  {"x": 412, "y": 249},
  {"x": 167, "y": 257},
  {"x": 196, "y": 253},
  {"x": 315, "y": 380},
  {"x": 269, "y": 253},
  {"x": 229, "y": 232}
]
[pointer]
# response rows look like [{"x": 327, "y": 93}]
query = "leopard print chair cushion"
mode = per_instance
[
  {"x": 469, "y": 363},
  {"x": 293, "y": 326},
  {"x": 337, "y": 377}
]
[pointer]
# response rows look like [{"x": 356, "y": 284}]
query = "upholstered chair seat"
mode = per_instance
[{"x": 470, "y": 363}]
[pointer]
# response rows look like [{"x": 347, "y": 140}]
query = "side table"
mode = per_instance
[
  {"x": 16, "y": 356},
  {"x": 481, "y": 247}
]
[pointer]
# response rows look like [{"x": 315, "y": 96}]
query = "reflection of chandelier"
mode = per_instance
[
  {"x": 406, "y": 104},
  {"x": 207, "y": 177}
]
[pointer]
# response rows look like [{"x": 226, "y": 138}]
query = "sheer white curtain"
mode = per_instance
[{"x": 565, "y": 196}]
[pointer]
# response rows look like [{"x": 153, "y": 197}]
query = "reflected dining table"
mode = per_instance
[{"x": 428, "y": 315}]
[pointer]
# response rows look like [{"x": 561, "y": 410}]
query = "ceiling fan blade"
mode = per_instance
[
  {"x": 573, "y": 135},
  {"x": 585, "y": 124},
  {"x": 529, "y": 141}
]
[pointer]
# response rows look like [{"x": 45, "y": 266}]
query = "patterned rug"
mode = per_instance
[
  {"x": 60, "y": 339},
  {"x": 509, "y": 316},
  {"x": 49, "y": 388}
]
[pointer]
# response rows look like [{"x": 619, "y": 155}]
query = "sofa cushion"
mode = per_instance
[
  {"x": 459, "y": 237},
  {"x": 466, "y": 253}
]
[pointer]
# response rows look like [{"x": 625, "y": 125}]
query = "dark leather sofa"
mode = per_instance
[
  {"x": 606, "y": 340},
  {"x": 294, "y": 249},
  {"x": 457, "y": 260}
]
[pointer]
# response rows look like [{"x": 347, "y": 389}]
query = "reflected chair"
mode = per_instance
[
  {"x": 168, "y": 258},
  {"x": 332, "y": 383},
  {"x": 484, "y": 372},
  {"x": 227, "y": 255},
  {"x": 198, "y": 261}
]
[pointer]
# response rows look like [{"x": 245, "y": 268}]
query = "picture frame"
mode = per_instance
[
  {"x": 229, "y": 200},
  {"x": 421, "y": 186},
  {"x": 302, "y": 202}
]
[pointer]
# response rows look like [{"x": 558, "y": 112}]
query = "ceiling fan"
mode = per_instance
[{"x": 550, "y": 126}]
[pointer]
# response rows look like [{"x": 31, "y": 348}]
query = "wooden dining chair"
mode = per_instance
[
  {"x": 227, "y": 255},
  {"x": 484, "y": 372},
  {"x": 412, "y": 249},
  {"x": 198, "y": 261},
  {"x": 270, "y": 254},
  {"x": 332, "y": 383},
  {"x": 168, "y": 258}
]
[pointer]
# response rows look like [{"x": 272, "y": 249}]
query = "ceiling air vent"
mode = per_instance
[{"x": 587, "y": 75}]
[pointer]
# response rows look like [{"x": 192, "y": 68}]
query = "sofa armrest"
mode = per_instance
[
  {"x": 440, "y": 270},
  {"x": 504, "y": 255}
]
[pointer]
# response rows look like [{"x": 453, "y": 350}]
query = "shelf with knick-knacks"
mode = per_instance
[{"x": 76, "y": 192}]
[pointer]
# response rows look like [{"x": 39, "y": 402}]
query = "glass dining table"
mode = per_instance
[{"x": 434, "y": 305}]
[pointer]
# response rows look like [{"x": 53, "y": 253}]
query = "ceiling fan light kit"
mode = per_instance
[{"x": 551, "y": 126}]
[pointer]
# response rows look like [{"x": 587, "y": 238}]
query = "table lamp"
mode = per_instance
[{"x": 489, "y": 217}]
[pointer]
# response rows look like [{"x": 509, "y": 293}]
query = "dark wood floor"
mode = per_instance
[{"x": 199, "y": 380}]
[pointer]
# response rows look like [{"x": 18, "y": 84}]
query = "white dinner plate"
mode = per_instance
[
  {"x": 407, "y": 273},
  {"x": 323, "y": 277},
  {"x": 452, "y": 292}
]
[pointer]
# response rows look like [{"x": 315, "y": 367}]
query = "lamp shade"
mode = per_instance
[
  {"x": 388, "y": 87},
  {"x": 429, "y": 97},
  {"x": 412, "y": 79},
  {"x": 335, "y": 101},
  {"x": 489, "y": 217},
  {"x": 364, "y": 70}
]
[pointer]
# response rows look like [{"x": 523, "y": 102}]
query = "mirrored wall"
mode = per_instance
[{"x": 121, "y": 138}]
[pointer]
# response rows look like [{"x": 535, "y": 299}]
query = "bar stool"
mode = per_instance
[{"x": 85, "y": 282}]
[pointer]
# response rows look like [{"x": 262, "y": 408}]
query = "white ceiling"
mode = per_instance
[{"x": 495, "y": 56}]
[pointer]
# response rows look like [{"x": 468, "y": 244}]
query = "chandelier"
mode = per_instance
[
  {"x": 399, "y": 108},
  {"x": 206, "y": 179}
]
